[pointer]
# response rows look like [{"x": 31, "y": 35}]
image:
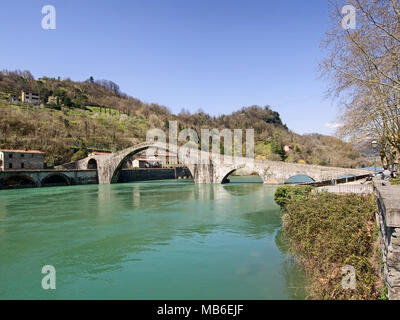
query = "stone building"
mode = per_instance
[
  {"x": 30, "y": 98},
  {"x": 21, "y": 159},
  {"x": 146, "y": 163},
  {"x": 159, "y": 159}
]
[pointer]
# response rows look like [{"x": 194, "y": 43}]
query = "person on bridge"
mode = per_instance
[
  {"x": 386, "y": 174},
  {"x": 367, "y": 180}
]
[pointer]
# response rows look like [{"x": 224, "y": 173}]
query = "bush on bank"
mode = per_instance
[
  {"x": 329, "y": 231},
  {"x": 285, "y": 193}
]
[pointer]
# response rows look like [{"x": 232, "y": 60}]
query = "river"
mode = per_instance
[{"x": 167, "y": 239}]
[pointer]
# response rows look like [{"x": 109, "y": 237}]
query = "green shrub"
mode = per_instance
[
  {"x": 329, "y": 231},
  {"x": 384, "y": 294},
  {"x": 285, "y": 193}
]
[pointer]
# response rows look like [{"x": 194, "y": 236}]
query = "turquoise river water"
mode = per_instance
[{"x": 167, "y": 239}]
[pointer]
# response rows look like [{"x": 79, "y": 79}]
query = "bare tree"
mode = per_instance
[{"x": 363, "y": 65}]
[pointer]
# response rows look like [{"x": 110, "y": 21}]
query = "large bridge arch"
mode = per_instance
[
  {"x": 109, "y": 167},
  {"x": 123, "y": 159}
]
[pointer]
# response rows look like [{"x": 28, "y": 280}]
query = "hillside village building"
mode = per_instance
[
  {"x": 21, "y": 159},
  {"x": 29, "y": 98}
]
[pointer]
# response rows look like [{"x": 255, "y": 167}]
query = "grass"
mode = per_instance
[
  {"x": 108, "y": 111},
  {"x": 54, "y": 131},
  {"x": 395, "y": 182}
]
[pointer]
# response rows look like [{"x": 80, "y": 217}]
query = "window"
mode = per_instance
[
  {"x": 22, "y": 155},
  {"x": 10, "y": 155},
  {"x": 10, "y": 165},
  {"x": 22, "y": 165}
]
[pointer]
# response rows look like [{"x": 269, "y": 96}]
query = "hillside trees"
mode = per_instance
[{"x": 106, "y": 119}]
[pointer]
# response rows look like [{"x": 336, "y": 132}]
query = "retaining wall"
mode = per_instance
[{"x": 388, "y": 218}]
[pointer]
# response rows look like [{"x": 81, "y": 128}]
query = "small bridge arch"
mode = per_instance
[
  {"x": 55, "y": 179},
  {"x": 299, "y": 178},
  {"x": 19, "y": 180},
  {"x": 92, "y": 164},
  {"x": 227, "y": 171}
]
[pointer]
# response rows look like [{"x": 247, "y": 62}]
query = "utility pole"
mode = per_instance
[{"x": 374, "y": 145}]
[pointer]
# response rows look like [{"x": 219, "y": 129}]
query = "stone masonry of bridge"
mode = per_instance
[{"x": 272, "y": 172}]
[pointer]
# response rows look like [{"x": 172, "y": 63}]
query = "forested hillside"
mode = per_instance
[{"x": 75, "y": 117}]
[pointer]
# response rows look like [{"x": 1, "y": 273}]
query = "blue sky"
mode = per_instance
[{"x": 217, "y": 55}]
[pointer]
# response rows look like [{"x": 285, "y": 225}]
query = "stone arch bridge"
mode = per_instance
[
  {"x": 46, "y": 178},
  {"x": 109, "y": 166}
]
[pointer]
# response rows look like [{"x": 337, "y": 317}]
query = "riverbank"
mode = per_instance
[{"x": 331, "y": 235}]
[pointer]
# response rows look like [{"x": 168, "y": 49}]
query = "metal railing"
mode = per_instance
[
  {"x": 336, "y": 181},
  {"x": 348, "y": 188}
]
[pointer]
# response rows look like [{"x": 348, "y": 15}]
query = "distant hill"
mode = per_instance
[{"x": 75, "y": 117}]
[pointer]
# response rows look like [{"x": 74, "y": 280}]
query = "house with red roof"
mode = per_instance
[{"x": 21, "y": 159}]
